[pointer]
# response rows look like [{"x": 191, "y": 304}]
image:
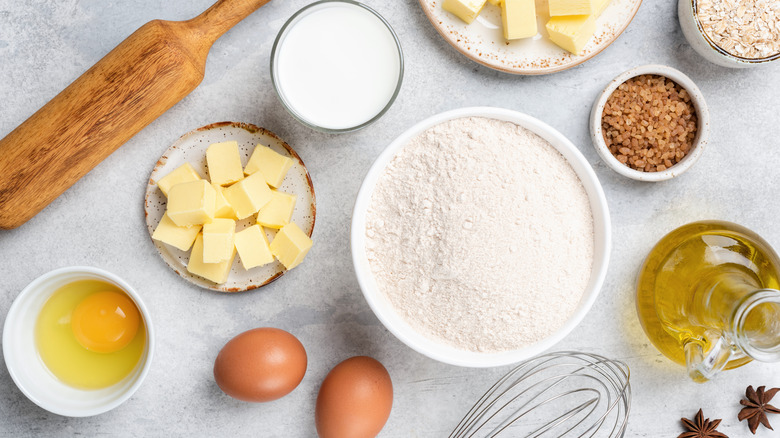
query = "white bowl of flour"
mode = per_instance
[{"x": 481, "y": 237}]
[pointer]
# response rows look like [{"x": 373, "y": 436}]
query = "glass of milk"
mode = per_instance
[{"x": 337, "y": 65}]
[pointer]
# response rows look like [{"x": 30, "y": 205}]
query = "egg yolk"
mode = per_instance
[{"x": 105, "y": 322}]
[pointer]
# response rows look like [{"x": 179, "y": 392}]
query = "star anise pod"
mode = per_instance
[
  {"x": 701, "y": 428},
  {"x": 756, "y": 407}
]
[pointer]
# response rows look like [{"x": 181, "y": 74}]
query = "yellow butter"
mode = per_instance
[
  {"x": 466, "y": 10},
  {"x": 222, "y": 207},
  {"x": 224, "y": 163},
  {"x": 601, "y": 6},
  {"x": 274, "y": 166},
  {"x": 278, "y": 212},
  {"x": 519, "y": 19},
  {"x": 494, "y": 2},
  {"x": 571, "y": 32},
  {"x": 191, "y": 203},
  {"x": 290, "y": 245},
  {"x": 249, "y": 195},
  {"x": 183, "y": 173},
  {"x": 252, "y": 246},
  {"x": 176, "y": 236},
  {"x": 216, "y": 272},
  {"x": 572, "y": 7},
  {"x": 218, "y": 240}
]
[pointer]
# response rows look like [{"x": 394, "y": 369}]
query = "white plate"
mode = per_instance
[
  {"x": 483, "y": 40},
  {"x": 191, "y": 148}
]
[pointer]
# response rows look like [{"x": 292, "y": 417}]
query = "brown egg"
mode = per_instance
[
  {"x": 354, "y": 400},
  {"x": 260, "y": 365}
]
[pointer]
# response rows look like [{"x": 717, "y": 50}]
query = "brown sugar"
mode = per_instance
[{"x": 649, "y": 123}]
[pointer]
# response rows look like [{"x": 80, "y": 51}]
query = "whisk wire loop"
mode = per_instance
[{"x": 580, "y": 391}]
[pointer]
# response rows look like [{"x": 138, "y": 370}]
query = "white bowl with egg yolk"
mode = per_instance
[
  {"x": 28, "y": 370},
  {"x": 384, "y": 309}
]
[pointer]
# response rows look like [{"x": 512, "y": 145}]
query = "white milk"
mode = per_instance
[{"x": 337, "y": 66}]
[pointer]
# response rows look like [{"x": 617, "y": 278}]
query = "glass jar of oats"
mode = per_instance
[{"x": 732, "y": 33}]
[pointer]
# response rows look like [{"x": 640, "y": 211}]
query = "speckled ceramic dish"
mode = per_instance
[
  {"x": 483, "y": 40},
  {"x": 699, "y": 143},
  {"x": 191, "y": 148}
]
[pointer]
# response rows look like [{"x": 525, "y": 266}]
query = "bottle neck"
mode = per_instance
[
  {"x": 756, "y": 325},
  {"x": 719, "y": 296},
  {"x": 744, "y": 320}
]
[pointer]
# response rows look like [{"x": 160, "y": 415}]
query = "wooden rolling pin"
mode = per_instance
[{"x": 131, "y": 86}]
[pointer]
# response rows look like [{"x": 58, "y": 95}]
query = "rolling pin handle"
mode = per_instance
[{"x": 221, "y": 16}]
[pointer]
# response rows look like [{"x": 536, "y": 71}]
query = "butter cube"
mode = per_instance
[
  {"x": 272, "y": 165},
  {"x": 571, "y": 32},
  {"x": 174, "y": 235},
  {"x": 252, "y": 247},
  {"x": 494, "y": 2},
  {"x": 278, "y": 212},
  {"x": 572, "y": 7},
  {"x": 466, "y": 10},
  {"x": 601, "y": 6},
  {"x": 519, "y": 18},
  {"x": 224, "y": 163},
  {"x": 222, "y": 207},
  {"x": 218, "y": 240},
  {"x": 191, "y": 203},
  {"x": 249, "y": 195},
  {"x": 290, "y": 245},
  {"x": 183, "y": 173},
  {"x": 216, "y": 272}
]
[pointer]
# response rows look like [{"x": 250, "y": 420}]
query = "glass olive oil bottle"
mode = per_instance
[{"x": 707, "y": 297}]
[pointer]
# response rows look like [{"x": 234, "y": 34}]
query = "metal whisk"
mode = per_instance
[{"x": 562, "y": 394}]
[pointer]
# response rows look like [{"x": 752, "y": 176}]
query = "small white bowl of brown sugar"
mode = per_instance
[
  {"x": 732, "y": 33},
  {"x": 650, "y": 123}
]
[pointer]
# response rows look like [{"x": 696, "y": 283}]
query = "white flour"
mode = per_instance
[{"x": 481, "y": 235}]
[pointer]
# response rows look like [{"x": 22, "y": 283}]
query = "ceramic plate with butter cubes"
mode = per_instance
[
  {"x": 219, "y": 195},
  {"x": 477, "y": 29}
]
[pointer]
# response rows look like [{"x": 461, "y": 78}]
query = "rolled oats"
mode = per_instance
[{"x": 745, "y": 28}]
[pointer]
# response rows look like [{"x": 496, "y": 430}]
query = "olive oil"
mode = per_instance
[{"x": 701, "y": 284}]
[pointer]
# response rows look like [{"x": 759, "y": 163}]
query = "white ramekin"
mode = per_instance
[
  {"x": 704, "y": 46},
  {"x": 699, "y": 142},
  {"x": 28, "y": 370},
  {"x": 385, "y": 311}
]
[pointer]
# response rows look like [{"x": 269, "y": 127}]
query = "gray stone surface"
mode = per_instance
[{"x": 44, "y": 45}]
